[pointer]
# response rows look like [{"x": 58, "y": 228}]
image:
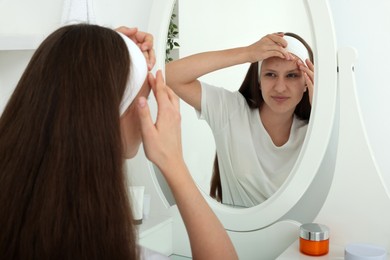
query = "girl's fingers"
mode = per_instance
[
  {"x": 309, "y": 81},
  {"x": 277, "y": 39},
  {"x": 307, "y": 72},
  {"x": 146, "y": 122},
  {"x": 309, "y": 64},
  {"x": 309, "y": 69},
  {"x": 143, "y": 40},
  {"x": 274, "y": 53},
  {"x": 129, "y": 32},
  {"x": 151, "y": 59},
  {"x": 161, "y": 91},
  {"x": 160, "y": 84},
  {"x": 152, "y": 83}
]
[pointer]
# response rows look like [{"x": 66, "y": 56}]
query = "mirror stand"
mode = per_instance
[{"x": 358, "y": 205}]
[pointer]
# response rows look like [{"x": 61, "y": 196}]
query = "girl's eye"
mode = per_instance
[
  {"x": 270, "y": 74},
  {"x": 293, "y": 75}
]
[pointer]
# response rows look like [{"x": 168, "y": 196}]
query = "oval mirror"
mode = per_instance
[{"x": 204, "y": 26}]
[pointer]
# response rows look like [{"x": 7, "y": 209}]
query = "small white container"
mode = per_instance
[
  {"x": 137, "y": 202},
  {"x": 147, "y": 199},
  {"x": 364, "y": 252}
]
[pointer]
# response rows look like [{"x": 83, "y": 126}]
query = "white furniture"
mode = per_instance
[
  {"x": 266, "y": 230},
  {"x": 336, "y": 252},
  {"x": 156, "y": 233},
  {"x": 14, "y": 42}
]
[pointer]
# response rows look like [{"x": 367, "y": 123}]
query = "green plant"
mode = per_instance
[{"x": 173, "y": 32}]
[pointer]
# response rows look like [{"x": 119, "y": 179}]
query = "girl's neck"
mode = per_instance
[{"x": 277, "y": 125}]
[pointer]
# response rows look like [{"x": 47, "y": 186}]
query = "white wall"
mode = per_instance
[
  {"x": 41, "y": 17},
  {"x": 365, "y": 25},
  {"x": 23, "y": 17}
]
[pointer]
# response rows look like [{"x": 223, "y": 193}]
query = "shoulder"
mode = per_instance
[
  {"x": 300, "y": 122},
  {"x": 299, "y": 127},
  {"x": 211, "y": 92}
]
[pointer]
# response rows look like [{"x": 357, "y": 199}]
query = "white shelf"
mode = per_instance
[
  {"x": 16, "y": 42},
  {"x": 156, "y": 233},
  {"x": 153, "y": 223},
  {"x": 336, "y": 252}
]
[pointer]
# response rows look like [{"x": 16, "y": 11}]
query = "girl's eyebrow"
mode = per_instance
[
  {"x": 269, "y": 70},
  {"x": 294, "y": 70},
  {"x": 276, "y": 71}
]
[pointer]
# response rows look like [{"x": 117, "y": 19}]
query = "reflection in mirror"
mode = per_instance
[
  {"x": 254, "y": 157},
  {"x": 256, "y": 165}
]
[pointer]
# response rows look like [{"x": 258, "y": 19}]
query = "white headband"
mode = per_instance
[
  {"x": 137, "y": 74},
  {"x": 295, "y": 47}
]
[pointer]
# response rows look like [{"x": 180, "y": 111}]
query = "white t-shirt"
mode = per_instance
[{"x": 251, "y": 167}]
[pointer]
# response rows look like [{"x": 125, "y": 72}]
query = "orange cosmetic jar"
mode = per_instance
[{"x": 314, "y": 239}]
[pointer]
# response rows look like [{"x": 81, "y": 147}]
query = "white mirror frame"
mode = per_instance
[{"x": 313, "y": 171}]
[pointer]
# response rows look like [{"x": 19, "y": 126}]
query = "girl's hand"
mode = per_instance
[
  {"x": 308, "y": 72},
  {"x": 161, "y": 140},
  {"x": 144, "y": 41},
  {"x": 271, "y": 45}
]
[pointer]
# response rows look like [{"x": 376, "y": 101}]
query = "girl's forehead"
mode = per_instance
[{"x": 276, "y": 63}]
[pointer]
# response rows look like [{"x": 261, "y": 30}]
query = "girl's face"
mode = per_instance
[
  {"x": 130, "y": 125},
  {"x": 282, "y": 85}
]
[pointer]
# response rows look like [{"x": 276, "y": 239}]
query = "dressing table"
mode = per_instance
[{"x": 325, "y": 186}]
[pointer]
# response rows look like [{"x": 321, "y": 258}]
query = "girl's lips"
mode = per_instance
[{"x": 279, "y": 98}]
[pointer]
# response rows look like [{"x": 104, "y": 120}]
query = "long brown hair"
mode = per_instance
[
  {"x": 250, "y": 89},
  {"x": 63, "y": 189}
]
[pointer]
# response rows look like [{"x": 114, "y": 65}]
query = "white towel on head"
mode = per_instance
[
  {"x": 295, "y": 47},
  {"x": 137, "y": 75},
  {"x": 78, "y": 11}
]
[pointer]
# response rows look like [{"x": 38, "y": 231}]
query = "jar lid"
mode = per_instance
[
  {"x": 314, "y": 232},
  {"x": 364, "y": 251}
]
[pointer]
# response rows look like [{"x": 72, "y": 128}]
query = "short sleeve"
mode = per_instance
[{"x": 219, "y": 105}]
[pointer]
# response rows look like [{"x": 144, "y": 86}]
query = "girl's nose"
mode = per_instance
[{"x": 280, "y": 84}]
